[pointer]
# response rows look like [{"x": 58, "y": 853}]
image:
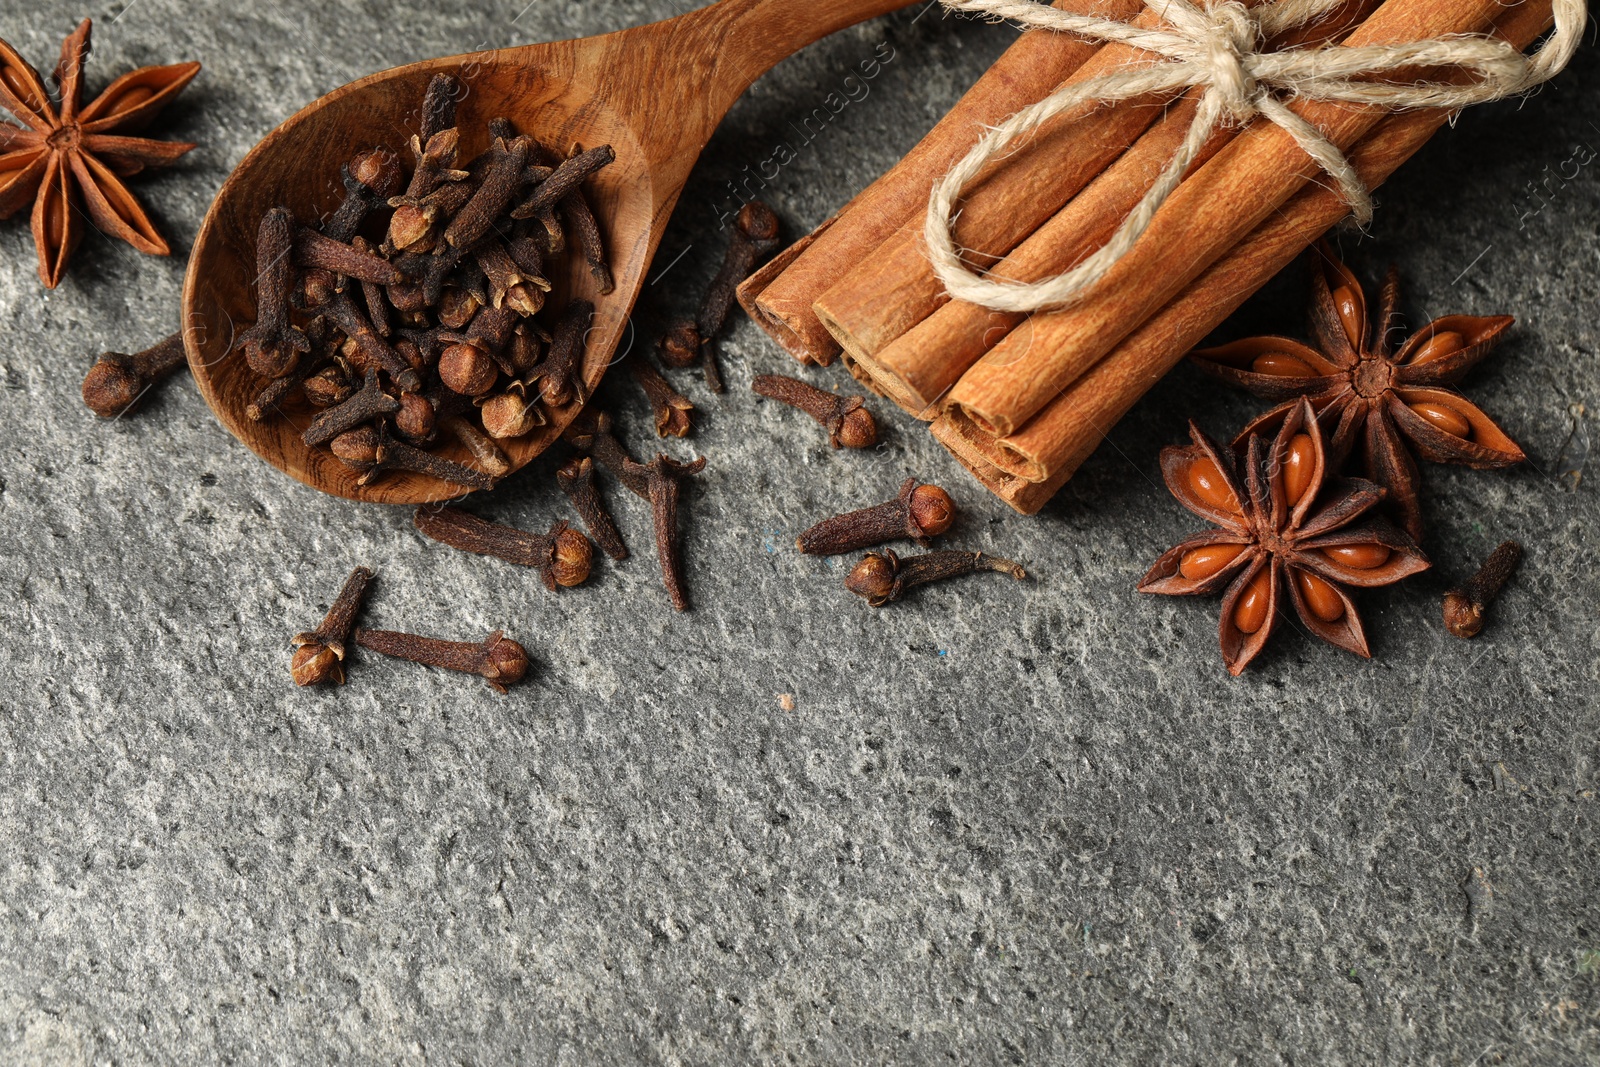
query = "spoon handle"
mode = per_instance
[{"x": 730, "y": 44}]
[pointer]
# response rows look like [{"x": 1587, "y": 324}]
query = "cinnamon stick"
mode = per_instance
[
  {"x": 1206, "y": 216},
  {"x": 917, "y": 368},
  {"x": 894, "y": 288},
  {"x": 779, "y": 298},
  {"x": 1027, "y": 468}
]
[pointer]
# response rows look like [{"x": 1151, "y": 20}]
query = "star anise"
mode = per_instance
[
  {"x": 1287, "y": 531},
  {"x": 67, "y": 158},
  {"x": 1365, "y": 393}
]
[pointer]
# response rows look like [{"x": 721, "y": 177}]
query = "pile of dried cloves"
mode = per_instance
[{"x": 411, "y": 315}]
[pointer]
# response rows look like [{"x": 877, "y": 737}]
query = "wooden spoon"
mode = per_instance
[{"x": 654, "y": 93}]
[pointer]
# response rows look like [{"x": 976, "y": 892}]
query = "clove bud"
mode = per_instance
[
  {"x": 1465, "y": 608},
  {"x": 563, "y": 556},
  {"x": 882, "y": 578},
  {"x": 118, "y": 380},
  {"x": 917, "y": 512},
  {"x": 848, "y": 422},
  {"x": 319, "y": 654}
]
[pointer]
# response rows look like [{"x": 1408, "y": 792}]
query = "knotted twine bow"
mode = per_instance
[{"x": 1214, "y": 48}]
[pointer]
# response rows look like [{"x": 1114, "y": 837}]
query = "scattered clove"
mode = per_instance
[
  {"x": 563, "y": 556},
  {"x": 918, "y": 512},
  {"x": 319, "y": 654},
  {"x": 671, "y": 407},
  {"x": 882, "y": 578},
  {"x": 1465, "y": 608},
  {"x": 680, "y": 346},
  {"x": 661, "y": 476},
  {"x": 755, "y": 237},
  {"x": 848, "y": 422},
  {"x": 591, "y": 432},
  {"x": 576, "y": 478},
  {"x": 499, "y": 660},
  {"x": 117, "y": 380}
]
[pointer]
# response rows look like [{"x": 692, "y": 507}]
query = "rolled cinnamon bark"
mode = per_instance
[
  {"x": 894, "y": 288},
  {"x": 1206, "y": 216},
  {"x": 918, "y": 367},
  {"x": 779, "y": 297},
  {"x": 1027, "y": 468}
]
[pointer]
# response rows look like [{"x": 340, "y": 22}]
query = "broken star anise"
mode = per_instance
[
  {"x": 1286, "y": 531},
  {"x": 1365, "y": 393},
  {"x": 66, "y": 158}
]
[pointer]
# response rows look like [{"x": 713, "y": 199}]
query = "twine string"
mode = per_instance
[{"x": 1215, "y": 48}]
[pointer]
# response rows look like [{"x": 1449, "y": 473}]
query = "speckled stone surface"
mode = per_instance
[{"x": 1004, "y": 822}]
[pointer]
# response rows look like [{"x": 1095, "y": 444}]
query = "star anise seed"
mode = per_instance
[
  {"x": 1367, "y": 394},
  {"x": 1284, "y": 530},
  {"x": 67, "y": 159}
]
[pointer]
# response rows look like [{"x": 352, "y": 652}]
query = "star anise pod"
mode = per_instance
[
  {"x": 67, "y": 158},
  {"x": 1365, "y": 393},
  {"x": 1286, "y": 531}
]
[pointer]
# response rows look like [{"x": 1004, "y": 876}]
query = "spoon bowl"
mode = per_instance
[{"x": 654, "y": 93}]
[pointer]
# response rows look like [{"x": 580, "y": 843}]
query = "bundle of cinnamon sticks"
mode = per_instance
[{"x": 1022, "y": 400}]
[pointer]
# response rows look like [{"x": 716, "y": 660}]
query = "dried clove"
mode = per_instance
[
  {"x": 501, "y": 176},
  {"x": 883, "y": 577},
  {"x": 591, "y": 432},
  {"x": 918, "y": 512},
  {"x": 497, "y": 658},
  {"x": 661, "y": 476},
  {"x": 485, "y": 451},
  {"x": 563, "y": 556},
  {"x": 586, "y": 235},
  {"x": 344, "y": 314},
  {"x": 680, "y": 346},
  {"x": 370, "y": 402},
  {"x": 378, "y": 170},
  {"x": 315, "y": 252},
  {"x": 329, "y": 386},
  {"x": 414, "y": 227},
  {"x": 1465, "y": 608},
  {"x": 671, "y": 407},
  {"x": 576, "y": 478},
  {"x": 509, "y": 286},
  {"x": 568, "y": 176},
  {"x": 319, "y": 654},
  {"x": 273, "y": 345},
  {"x": 511, "y": 413},
  {"x": 416, "y": 418},
  {"x": 374, "y": 453},
  {"x": 373, "y": 295},
  {"x": 117, "y": 380},
  {"x": 848, "y": 422},
  {"x": 560, "y": 376},
  {"x": 755, "y": 237},
  {"x": 439, "y": 105}
]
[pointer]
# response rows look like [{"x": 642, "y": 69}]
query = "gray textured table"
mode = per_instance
[{"x": 1007, "y": 822}]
